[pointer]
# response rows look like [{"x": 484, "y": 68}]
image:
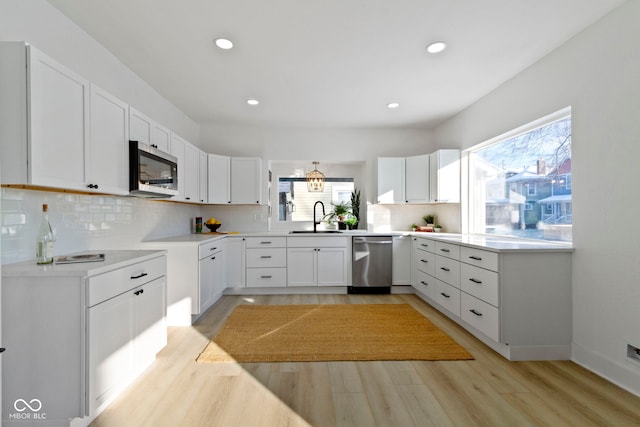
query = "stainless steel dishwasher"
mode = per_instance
[{"x": 371, "y": 265}]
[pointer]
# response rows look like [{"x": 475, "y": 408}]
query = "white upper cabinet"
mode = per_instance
[
  {"x": 191, "y": 173},
  {"x": 403, "y": 179},
  {"x": 144, "y": 129},
  {"x": 391, "y": 180},
  {"x": 188, "y": 169},
  {"x": 44, "y": 110},
  {"x": 176, "y": 149},
  {"x": 203, "y": 177},
  {"x": 246, "y": 173},
  {"x": 417, "y": 179},
  {"x": 108, "y": 164},
  {"x": 219, "y": 171},
  {"x": 444, "y": 176}
]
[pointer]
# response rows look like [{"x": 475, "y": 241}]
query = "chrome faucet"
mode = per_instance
[{"x": 314, "y": 215}]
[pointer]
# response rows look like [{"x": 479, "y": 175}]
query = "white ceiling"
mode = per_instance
[{"x": 329, "y": 63}]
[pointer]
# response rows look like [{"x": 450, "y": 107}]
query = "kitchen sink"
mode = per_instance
[{"x": 314, "y": 232}]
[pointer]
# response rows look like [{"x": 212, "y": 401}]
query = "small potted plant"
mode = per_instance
[
  {"x": 437, "y": 228},
  {"x": 350, "y": 220},
  {"x": 429, "y": 220},
  {"x": 414, "y": 227},
  {"x": 339, "y": 213}
]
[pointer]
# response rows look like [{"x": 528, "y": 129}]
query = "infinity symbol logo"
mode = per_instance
[{"x": 22, "y": 405}]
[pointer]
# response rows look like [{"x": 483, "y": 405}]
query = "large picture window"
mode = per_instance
[{"x": 520, "y": 184}]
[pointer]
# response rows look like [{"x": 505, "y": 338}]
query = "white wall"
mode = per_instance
[{"x": 597, "y": 73}]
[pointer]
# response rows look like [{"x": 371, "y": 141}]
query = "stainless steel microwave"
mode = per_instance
[{"x": 152, "y": 173}]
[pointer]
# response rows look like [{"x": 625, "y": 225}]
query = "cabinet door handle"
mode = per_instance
[
  {"x": 212, "y": 249},
  {"x": 445, "y": 250},
  {"x": 424, "y": 283},
  {"x": 139, "y": 276},
  {"x": 265, "y": 277},
  {"x": 477, "y": 258},
  {"x": 477, "y": 313},
  {"x": 475, "y": 280},
  {"x": 265, "y": 256},
  {"x": 2, "y": 349},
  {"x": 213, "y": 257},
  {"x": 445, "y": 295},
  {"x": 141, "y": 291},
  {"x": 425, "y": 261},
  {"x": 444, "y": 269},
  {"x": 265, "y": 243},
  {"x": 422, "y": 244}
]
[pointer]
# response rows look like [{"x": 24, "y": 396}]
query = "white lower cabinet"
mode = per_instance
[
  {"x": 517, "y": 302},
  {"x": 211, "y": 274},
  {"x": 401, "y": 260},
  {"x": 266, "y": 262},
  {"x": 317, "y": 261},
  {"x": 481, "y": 315},
  {"x": 125, "y": 334},
  {"x": 236, "y": 273},
  {"x": 92, "y": 328}
]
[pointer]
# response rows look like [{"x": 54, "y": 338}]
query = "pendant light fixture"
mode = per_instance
[{"x": 315, "y": 179}]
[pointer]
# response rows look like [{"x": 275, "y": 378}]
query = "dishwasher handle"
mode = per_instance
[{"x": 373, "y": 242}]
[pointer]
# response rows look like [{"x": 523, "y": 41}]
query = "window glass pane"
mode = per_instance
[
  {"x": 521, "y": 186},
  {"x": 296, "y": 203}
]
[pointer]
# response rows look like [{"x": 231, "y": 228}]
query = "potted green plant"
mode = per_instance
[
  {"x": 429, "y": 220},
  {"x": 355, "y": 206},
  {"x": 339, "y": 213},
  {"x": 414, "y": 227},
  {"x": 350, "y": 220},
  {"x": 437, "y": 228}
]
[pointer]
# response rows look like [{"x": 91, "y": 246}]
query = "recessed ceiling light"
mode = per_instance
[
  {"x": 436, "y": 47},
  {"x": 393, "y": 105},
  {"x": 225, "y": 44},
  {"x": 253, "y": 102}
]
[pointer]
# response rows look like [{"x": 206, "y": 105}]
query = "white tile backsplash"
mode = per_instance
[{"x": 86, "y": 222}]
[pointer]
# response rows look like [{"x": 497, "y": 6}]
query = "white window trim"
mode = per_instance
[{"x": 465, "y": 176}]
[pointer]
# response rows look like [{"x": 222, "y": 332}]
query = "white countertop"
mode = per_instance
[
  {"x": 499, "y": 243},
  {"x": 112, "y": 261},
  {"x": 494, "y": 243}
]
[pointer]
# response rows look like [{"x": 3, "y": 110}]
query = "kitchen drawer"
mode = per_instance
[
  {"x": 448, "y": 297},
  {"x": 448, "y": 249},
  {"x": 480, "y": 283},
  {"x": 479, "y": 258},
  {"x": 108, "y": 285},
  {"x": 482, "y": 316},
  {"x": 268, "y": 257},
  {"x": 425, "y": 262},
  {"x": 266, "y": 277},
  {"x": 448, "y": 270},
  {"x": 210, "y": 248},
  {"x": 426, "y": 284},
  {"x": 266, "y": 242},
  {"x": 317, "y": 242},
  {"x": 424, "y": 244}
]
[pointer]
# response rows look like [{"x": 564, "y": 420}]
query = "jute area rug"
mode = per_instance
[{"x": 304, "y": 333}]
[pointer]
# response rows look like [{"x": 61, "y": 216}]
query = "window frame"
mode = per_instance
[{"x": 468, "y": 187}]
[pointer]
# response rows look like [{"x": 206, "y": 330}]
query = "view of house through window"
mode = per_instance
[
  {"x": 295, "y": 203},
  {"x": 521, "y": 185}
]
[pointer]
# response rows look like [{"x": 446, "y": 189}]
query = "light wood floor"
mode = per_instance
[{"x": 487, "y": 391}]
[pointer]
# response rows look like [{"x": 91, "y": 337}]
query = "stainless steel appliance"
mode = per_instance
[
  {"x": 152, "y": 173},
  {"x": 372, "y": 264}
]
